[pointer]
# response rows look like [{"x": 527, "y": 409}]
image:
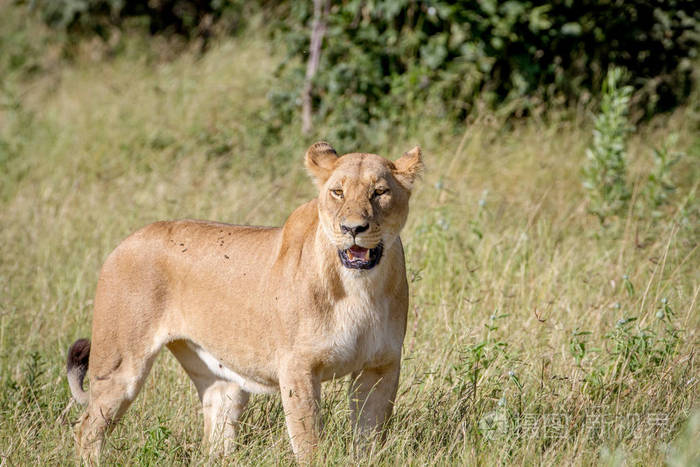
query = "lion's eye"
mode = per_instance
[
  {"x": 337, "y": 193},
  {"x": 379, "y": 192}
]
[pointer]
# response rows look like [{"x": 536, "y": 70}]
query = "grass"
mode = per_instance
[{"x": 535, "y": 334}]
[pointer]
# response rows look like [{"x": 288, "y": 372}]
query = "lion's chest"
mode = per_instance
[{"x": 360, "y": 334}]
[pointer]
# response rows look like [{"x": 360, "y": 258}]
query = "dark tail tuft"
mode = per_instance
[{"x": 76, "y": 366}]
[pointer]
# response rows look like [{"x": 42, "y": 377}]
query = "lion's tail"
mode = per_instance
[{"x": 76, "y": 366}]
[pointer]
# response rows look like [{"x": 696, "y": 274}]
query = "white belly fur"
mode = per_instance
[{"x": 222, "y": 372}]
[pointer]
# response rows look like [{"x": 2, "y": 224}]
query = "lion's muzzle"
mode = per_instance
[{"x": 357, "y": 257}]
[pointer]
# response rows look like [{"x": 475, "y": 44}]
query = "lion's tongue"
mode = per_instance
[{"x": 357, "y": 252}]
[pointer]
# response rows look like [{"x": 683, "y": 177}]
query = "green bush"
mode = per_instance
[
  {"x": 385, "y": 60},
  {"x": 384, "y": 63},
  {"x": 605, "y": 175},
  {"x": 185, "y": 17}
]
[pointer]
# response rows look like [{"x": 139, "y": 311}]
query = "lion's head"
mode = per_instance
[{"x": 363, "y": 200}]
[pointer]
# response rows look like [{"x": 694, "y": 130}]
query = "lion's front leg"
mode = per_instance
[
  {"x": 301, "y": 398},
  {"x": 372, "y": 394}
]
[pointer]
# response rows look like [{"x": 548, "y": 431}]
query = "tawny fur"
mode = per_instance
[{"x": 257, "y": 309}]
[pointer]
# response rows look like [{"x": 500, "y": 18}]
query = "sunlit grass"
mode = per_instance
[{"x": 520, "y": 300}]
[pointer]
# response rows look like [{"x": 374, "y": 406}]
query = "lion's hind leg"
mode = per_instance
[
  {"x": 223, "y": 401},
  {"x": 111, "y": 393}
]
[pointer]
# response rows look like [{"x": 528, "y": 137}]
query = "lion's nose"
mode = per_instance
[{"x": 353, "y": 229}]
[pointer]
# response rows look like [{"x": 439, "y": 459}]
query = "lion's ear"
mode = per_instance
[
  {"x": 409, "y": 167},
  {"x": 320, "y": 161}
]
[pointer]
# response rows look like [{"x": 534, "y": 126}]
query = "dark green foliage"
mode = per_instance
[
  {"x": 383, "y": 62},
  {"x": 189, "y": 18}
]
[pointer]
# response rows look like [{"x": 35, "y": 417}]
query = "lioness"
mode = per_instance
[{"x": 260, "y": 309}]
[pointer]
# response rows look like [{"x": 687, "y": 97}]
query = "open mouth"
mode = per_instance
[{"x": 357, "y": 257}]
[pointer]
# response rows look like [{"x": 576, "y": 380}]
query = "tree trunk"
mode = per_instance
[{"x": 318, "y": 30}]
